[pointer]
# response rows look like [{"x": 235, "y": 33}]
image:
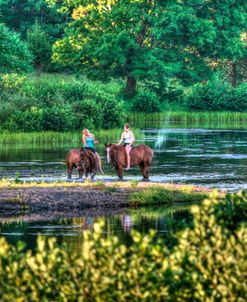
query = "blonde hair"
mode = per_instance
[{"x": 85, "y": 132}]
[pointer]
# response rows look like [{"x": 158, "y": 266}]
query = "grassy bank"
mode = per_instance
[
  {"x": 164, "y": 196},
  {"x": 221, "y": 120},
  {"x": 169, "y": 119},
  {"x": 137, "y": 194},
  {"x": 103, "y": 136}
]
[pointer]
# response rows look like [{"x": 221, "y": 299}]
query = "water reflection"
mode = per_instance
[
  {"x": 127, "y": 223},
  {"x": 70, "y": 230}
]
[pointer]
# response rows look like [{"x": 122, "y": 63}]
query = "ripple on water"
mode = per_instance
[{"x": 216, "y": 155}]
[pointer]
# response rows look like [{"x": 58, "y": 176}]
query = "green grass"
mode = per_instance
[
  {"x": 189, "y": 119},
  {"x": 154, "y": 212},
  {"x": 163, "y": 196},
  {"x": 103, "y": 136},
  {"x": 53, "y": 79}
]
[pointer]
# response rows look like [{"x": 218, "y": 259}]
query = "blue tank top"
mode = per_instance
[{"x": 89, "y": 141}]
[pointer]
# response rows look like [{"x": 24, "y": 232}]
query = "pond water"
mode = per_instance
[
  {"x": 165, "y": 221},
  {"x": 212, "y": 158},
  {"x": 205, "y": 157}
]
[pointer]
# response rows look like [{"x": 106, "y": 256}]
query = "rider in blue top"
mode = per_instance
[{"x": 88, "y": 140}]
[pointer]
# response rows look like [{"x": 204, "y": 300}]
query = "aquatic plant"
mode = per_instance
[
  {"x": 7, "y": 137},
  {"x": 189, "y": 119}
]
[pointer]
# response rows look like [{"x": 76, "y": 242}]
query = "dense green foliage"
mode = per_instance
[
  {"x": 167, "y": 55},
  {"x": 145, "y": 101},
  {"x": 152, "y": 40},
  {"x": 21, "y": 15},
  {"x": 37, "y": 23},
  {"x": 40, "y": 47},
  {"x": 14, "y": 53},
  {"x": 216, "y": 96},
  {"x": 46, "y": 103},
  {"x": 63, "y": 103},
  {"x": 207, "y": 264}
]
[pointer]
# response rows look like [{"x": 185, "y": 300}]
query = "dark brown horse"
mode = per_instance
[
  {"x": 141, "y": 155},
  {"x": 85, "y": 161}
]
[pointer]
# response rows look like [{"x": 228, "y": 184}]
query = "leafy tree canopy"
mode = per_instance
[
  {"x": 150, "y": 39},
  {"x": 20, "y": 15},
  {"x": 14, "y": 53},
  {"x": 40, "y": 46}
]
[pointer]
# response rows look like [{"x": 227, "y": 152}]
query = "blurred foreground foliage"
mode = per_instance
[{"x": 209, "y": 263}]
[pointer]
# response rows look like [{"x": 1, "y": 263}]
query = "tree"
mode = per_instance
[
  {"x": 14, "y": 53},
  {"x": 20, "y": 15},
  {"x": 40, "y": 46},
  {"x": 111, "y": 39},
  {"x": 208, "y": 31},
  {"x": 151, "y": 39}
]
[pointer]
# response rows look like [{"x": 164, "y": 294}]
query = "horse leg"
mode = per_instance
[
  {"x": 119, "y": 170},
  {"x": 93, "y": 175},
  {"x": 80, "y": 174},
  {"x": 70, "y": 168},
  {"x": 146, "y": 170},
  {"x": 142, "y": 168}
]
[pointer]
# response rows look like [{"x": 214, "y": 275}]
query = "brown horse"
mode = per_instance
[
  {"x": 141, "y": 155},
  {"x": 85, "y": 161}
]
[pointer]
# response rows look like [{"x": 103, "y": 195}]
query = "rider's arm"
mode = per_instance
[
  {"x": 94, "y": 140},
  {"x": 121, "y": 140},
  {"x": 84, "y": 140},
  {"x": 132, "y": 137}
]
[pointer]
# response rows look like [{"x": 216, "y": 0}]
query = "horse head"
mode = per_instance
[
  {"x": 80, "y": 166},
  {"x": 108, "y": 153}
]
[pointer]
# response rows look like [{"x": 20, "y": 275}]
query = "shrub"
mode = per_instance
[
  {"x": 217, "y": 96},
  {"x": 44, "y": 92},
  {"x": 14, "y": 53},
  {"x": 40, "y": 46},
  {"x": 113, "y": 111},
  {"x": 145, "y": 101},
  {"x": 30, "y": 120},
  {"x": 88, "y": 114},
  {"x": 208, "y": 264},
  {"x": 74, "y": 91},
  {"x": 211, "y": 258},
  {"x": 11, "y": 81},
  {"x": 58, "y": 118}
]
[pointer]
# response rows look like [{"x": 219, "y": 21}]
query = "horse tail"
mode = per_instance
[{"x": 99, "y": 163}]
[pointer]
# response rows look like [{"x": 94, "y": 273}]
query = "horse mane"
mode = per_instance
[
  {"x": 121, "y": 147},
  {"x": 117, "y": 147}
]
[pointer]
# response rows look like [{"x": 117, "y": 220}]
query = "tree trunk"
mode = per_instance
[
  {"x": 234, "y": 74},
  {"x": 130, "y": 86}
]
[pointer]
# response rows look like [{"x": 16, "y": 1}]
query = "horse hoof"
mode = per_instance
[{"x": 145, "y": 179}]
